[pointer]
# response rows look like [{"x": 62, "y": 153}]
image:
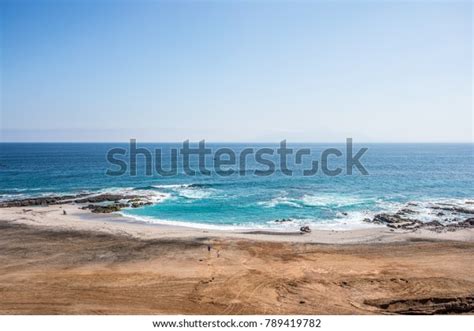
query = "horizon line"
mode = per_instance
[{"x": 236, "y": 142}]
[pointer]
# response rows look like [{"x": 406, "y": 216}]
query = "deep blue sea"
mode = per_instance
[{"x": 420, "y": 174}]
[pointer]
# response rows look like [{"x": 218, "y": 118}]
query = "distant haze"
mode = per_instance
[{"x": 236, "y": 71}]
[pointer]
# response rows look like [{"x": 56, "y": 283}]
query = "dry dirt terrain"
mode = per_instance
[{"x": 50, "y": 271}]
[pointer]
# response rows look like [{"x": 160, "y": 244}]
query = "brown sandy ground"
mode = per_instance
[{"x": 50, "y": 271}]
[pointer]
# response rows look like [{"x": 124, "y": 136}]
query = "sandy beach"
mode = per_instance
[{"x": 84, "y": 263}]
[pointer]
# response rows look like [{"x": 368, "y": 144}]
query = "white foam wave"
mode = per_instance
[
  {"x": 188, "y": 191},
  {"x": 17, "y": 189},
  {"x": 6, "y": 197},
  {"x": 198, "y": 225},
  {"x": 335, "y": 200},
  {"x": 194, "y": 193},
  {"x": 292, "y": 225},
  {"x": 280, "y": 201},
  {"x": 327, "y": 201},
  {"x": 172, "y": 186}
]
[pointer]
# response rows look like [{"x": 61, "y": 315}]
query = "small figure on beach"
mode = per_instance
[
  {"x": 218, "y": 253},
  {"x": 64, "y": 212},
  {"x": 208, "y": 248}
]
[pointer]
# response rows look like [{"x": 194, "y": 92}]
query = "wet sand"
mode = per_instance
[{"x": 81, "y": 264}]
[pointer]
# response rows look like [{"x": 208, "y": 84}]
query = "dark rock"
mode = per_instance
[
  {"x": 469, "y": 221},
  {"x": 396, "y": 221},
  {"x": 464, "y": 210},
  {"x": 390, "y": 219},
  {"x": 451, "y": 220},
  {"x": 406, "y": 211},
  {"x": 305, "y": 229},
  {"x": 430, "y": 305},
  {"x": 42, "y": 201},
  {"x": 106, "y": 197},
  {"x": 283, "y": 220},
  {"x": 81, "y": 199},
  {"x": 433, "y": 224},
  {"x": 106, "y": 209},
  {"x": 454, "y": 209},
  {"x": 466, "y": 224}
]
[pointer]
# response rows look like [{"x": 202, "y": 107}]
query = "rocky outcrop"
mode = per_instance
[
  {"x": 305, "y": 229},
  {"x": 445, "y": 216},
  {"x": 454, "y": 209},
  {"x": 283, "y": 220},
  {"x": 108, "y": 197},
  {"x": 425, "y": 306},
  {"x": 100, "y": 203},
  {"x": 40, "y": 201},
  {"x": 396, "y": 221},
  {"x": 468, "y": 223}
]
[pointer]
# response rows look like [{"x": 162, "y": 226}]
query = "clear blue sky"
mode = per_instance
[{"x": 236, "y": 71}]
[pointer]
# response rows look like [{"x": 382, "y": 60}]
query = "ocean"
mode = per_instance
[{"x": 418, "y": 175}]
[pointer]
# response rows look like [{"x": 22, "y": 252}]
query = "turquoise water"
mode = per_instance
[{"x": 398, "y": 174}]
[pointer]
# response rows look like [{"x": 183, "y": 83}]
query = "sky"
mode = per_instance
[{"x": 242, "y": 71}]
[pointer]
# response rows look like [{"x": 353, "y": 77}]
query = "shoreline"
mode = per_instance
[
  {"x": 446, "y": 220},
  {"x": 77, "y": 218}
]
